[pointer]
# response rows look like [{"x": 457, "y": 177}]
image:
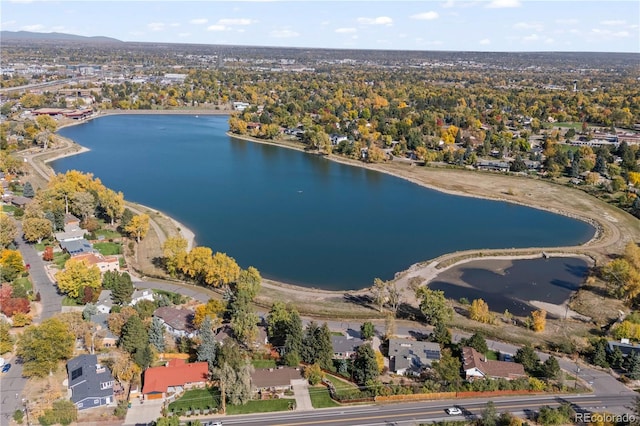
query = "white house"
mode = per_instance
[{"x": 139, "y": 295}]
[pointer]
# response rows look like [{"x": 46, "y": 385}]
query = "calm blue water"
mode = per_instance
[{"x": 298, "y": 218}]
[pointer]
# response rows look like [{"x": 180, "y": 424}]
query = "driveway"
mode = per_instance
[
  {"x": 301, "y": 393},
  {"x": 143, "y": 414}
]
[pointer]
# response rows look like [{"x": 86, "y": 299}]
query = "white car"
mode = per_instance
[{"x": 454, "y": 411}]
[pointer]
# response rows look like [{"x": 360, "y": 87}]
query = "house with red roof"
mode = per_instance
[
  {"x": 477, "y": 366},
  {"x": 174, "y": 378}
]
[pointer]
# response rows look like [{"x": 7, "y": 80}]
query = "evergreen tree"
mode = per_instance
[
  {"x": 365, "y": 367},
  {"x": 88, "y": 311},
  {"x": 550, "y": 368},
  {"x": 367, "y": 330},
  {"x": 122, "y": 288},
  {"x": 143, "y": 357},
  {"x": 208, "y": 346},
  {"x": 28, "y": 191},
  {"x": 293, "y": 343},
  {"x": 601, "y": 165},
  {"x": 125, "y": 220},
  {"x": 527, "y": 356},
  {"x": 156, "y": 334},
  {"x": 616, "y": 358},
  {"x": 477, "y": 342},
  {"x": 317, "y": 346},
  {"x": 441, "y": 334},
  {"x": 489, "y": 416},
  {"x": 599, "y": 356},
  {"x": 632, "y": 365},
  {"x": 134, "y": 335}
]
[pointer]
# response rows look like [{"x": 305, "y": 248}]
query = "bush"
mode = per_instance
[
  {"x": 121, "y": 410},
  {"x": 18, "y": 416}
]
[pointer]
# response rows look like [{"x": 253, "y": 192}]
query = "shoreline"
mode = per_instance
[{"x": 476, "y": 254}]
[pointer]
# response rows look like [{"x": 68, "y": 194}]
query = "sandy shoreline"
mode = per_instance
[{"x": 427, "y": 269}]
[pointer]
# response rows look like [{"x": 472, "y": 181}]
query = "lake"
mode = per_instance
[{"x": 298, "y": 218}]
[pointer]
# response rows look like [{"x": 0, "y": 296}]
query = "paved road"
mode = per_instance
[
  {"x": 422, "y": 412},
  {"x": 12, "y": 383}
]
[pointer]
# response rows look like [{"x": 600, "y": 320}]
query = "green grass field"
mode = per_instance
[
  {"x": 342, "y": 386},
  {"x": 108, "y": 249},
  {"x": 263, "y": 363},
  {"x": 320, "y": 397},
  {"x": 197, "y": 399},
  {"x": 265, "y": 406},
  {"x": 60, "y": 258},
  {"x": 107, "y": 233}
]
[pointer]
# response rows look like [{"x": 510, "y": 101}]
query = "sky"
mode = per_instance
[{"x": 451, "y": 25}]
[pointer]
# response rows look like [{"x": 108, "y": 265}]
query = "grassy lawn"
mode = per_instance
[
  {"x": 107, "y": 233},
  {"x": 492, "y": 355},
  {"x": 575, "y": 125},
  {"x": 341, "y": 386},
  {"x": 60, "y": 258},
  {"x": 23, "y": 282},
  {"x": 320, "y": 397},
  {"x": 198, "y": 399},
  {"x": 67, "y": 301},
  {"x": 264, "y": 406},
  {"x": 108, "y": 249},
  {"x": 263, "y": 363},
  {"x": 7, "y": 208}
]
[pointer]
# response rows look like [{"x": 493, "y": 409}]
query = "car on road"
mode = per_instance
[
  {"x": 212, "y": 424},
  {"x": 6, "y": 368},
  {"x": 454, "y": 411}
]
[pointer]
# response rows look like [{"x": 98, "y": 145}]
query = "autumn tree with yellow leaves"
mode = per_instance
[
  {"x": 138, "y": 227},
  {"x": 76, "y": 276},
  {"x": 479, "y": 311}
]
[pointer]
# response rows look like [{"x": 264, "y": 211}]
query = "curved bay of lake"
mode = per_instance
[{"x": 298, "y": 218}]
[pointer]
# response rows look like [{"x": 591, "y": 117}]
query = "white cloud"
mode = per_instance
[
  {"x": 7, "y": 23},
  {"x": 613, "y": 22},
  {"x": 284, "y": 33},
  {"x": 156, "y": 26},
  {"x": 500, "y": 4},
  {"x": 448, "y": 4},
  {"x": 426, "y": 16},
  {"x": 199, "y": 21},
  {"x": 380, "y": 20},
  {"x": 610, "y": 34},
  {"x": 236, "y": 21},
  {"x": 345, "y": 30},
  {"x": 485, "y": 41},
  {"x": 34, "y": 27},
  {"x": 218, "y": 28},
  {"x": 531, "y": 37},
  {"x": 536, "y": 26}
]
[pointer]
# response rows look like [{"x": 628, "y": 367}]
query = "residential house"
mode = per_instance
[
  {"x": 476, "y": 365},
  {"x": 499, "y": 166},
  {"x": 71, "y": 220},
  {"x": 102, "y": 330},
  {"x": 625, "y": 347},
  {"x": 345, "y": 347},
  {"x": 19, "y": 201},
  {"x": 140, "y": 295},
  {"x": 104, "y": 263},
  {"x": 411, "y": 356},
  {"x": 91, "y": 384},
  {"x": 105, "y": 302},
  {"x": 178, "y": 322},
  {"x": 174, "y": 378},
  {"x": 76, "y": 247},
  {"x": 336, "y": 139},
  {"x": 274, "y": 380}
]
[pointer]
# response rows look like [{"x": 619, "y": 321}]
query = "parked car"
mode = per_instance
[
  {"x": 454, "y": 411},
  {"x": 6, "y": 368}
]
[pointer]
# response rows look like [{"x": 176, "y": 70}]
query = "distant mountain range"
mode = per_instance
[{"x": 28, "y": 35}]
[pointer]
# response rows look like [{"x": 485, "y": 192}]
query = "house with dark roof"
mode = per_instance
[
  {"x": 345, "y": 347},
  {"x": 102, "y": 330},
  {"x": 477, "y": 366},
  {"x": 625, "y": 347},
  {"x": 105, "y": 302},
  {"x": 91, "y": 384},
  {"x": 76, "y": 247},
  {"x": 411, "y": 356},
  {"x": 274, "y": 379},
  {"x": 174, "y": 378},
  {"x": 178, "y": 322}
]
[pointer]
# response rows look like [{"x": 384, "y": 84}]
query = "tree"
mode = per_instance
[
  {"x": 489, "y": 416},
  {"x": 479, "y": 311},
  {"x": 42, "y": 346},
  {"x": 111, "y": 202},
  {"x": 27, "y": 190},
  {"x": 63, "y": 411},
  {"x": 11, "y": 264},
  {"x": 208, "y": 347},
  {"x": 133, "y": 337},
  {"x": 120, "y": 285},
  {"x": 539, "y": 318},
  {"x": 222, "y": 270},
  {"x": 8, "y": 230},
  {"x": 316, "y": 345},
  {"x": 434, "y": 305},
  {"x": 379, "y": 292},
  {"x": 293, "y": 343},
  {"x": 125, "y": 220},
  {"x": 393, "y": 296},
  {"x": 448, "y": 368},
  {"x": 248, "y": 281},
  {"x": 35, "y": 229},
  {"x": 632, "y": 365},
  {"x": 6, "y": 339},
  {"x": 83, "y": 204},
  {"x": 528, "y": 358},
  {"x": 235, "y": 384},
  {"x": 174, "y": 250},
  {"x": 367, "y": 330},
  {"x": 441, "y": 334},
  {"x": 550, "y": 368},
  {"x": 171, "y": 421},
  {"x": 139, "y": 226},
  {"x": 76, "y": 276},
  {"x": 213, "y": 310},
  {"x": 156, "y": 334},
  {"x": 314, "y": 374},
  {"x": 143, "y": 357},
  {"x": 365, "y": 367},
  {"x": 196, "y": 263},
  {"x": 477, "y": 342},
  {"x": 244, "y": 320}
]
